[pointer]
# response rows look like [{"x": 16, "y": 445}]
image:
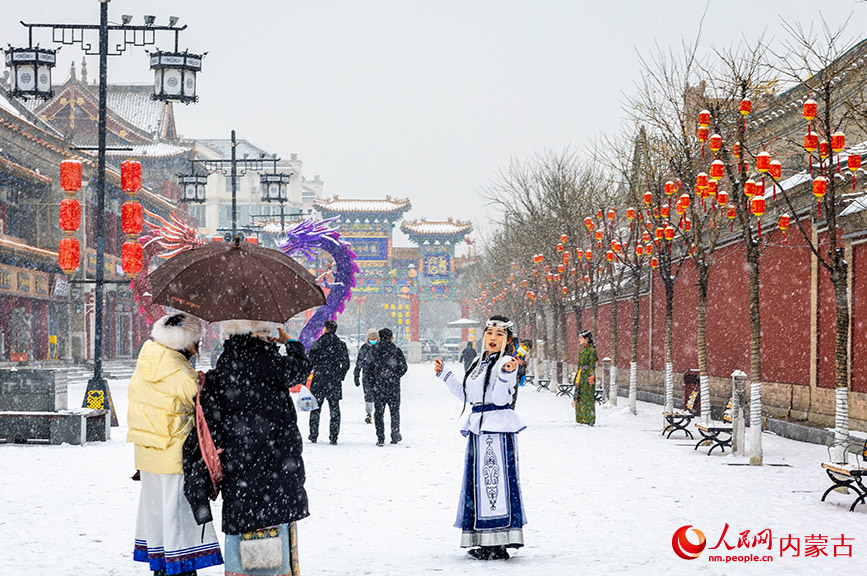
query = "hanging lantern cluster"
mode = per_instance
[
  {"x": 131, "y": 217},
  {"x": 69, "y": 250}
]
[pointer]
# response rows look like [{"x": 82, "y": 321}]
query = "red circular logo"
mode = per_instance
[{"x": 683, "y": 547}]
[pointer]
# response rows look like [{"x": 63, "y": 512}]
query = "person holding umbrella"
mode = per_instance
[{"x": 246, "y": 405}]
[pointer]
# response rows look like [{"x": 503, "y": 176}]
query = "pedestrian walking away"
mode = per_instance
[
  {"x": 584, "y": 400},
  {"x": 160, "y": 418},
  {"x": 252, "y": 422},
  {"x": 386, "y": 364},
  {"x": 491, "y": 509},
  {"x": 468, "y": 355},
  {"x": 362, "y": 372},
  {"x": 330, "y": 359}
]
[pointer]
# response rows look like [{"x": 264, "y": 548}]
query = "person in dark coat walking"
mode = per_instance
[
  {"x": 362, "y": 372},
  {"x": 468, "y": 355},
  {"x": 386, "y": 364},
  {"x": 330, "y": 359},
  {"x": 251, "y": 418}
]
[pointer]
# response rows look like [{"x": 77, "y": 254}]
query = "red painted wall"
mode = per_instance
[
  {"x": 858, "y": 269},
  {"x": 826, "y": 323}
]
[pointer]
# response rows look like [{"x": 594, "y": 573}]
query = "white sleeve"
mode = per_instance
[
  {"x": 455, "y": 385},
  {"x": 504, "y": 385}
]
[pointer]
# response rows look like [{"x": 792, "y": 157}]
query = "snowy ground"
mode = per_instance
[{"x": 600, "y": 500}]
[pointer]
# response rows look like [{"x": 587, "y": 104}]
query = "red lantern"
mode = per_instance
[
  {"x": 587, "y": 279},
  {"x": 838, "y": 141},
  {"x": 703, "y": 134},
  {"x": 648, "y": 249},
  {"x": 579, "y": 253},
  {"x": 717, "y": 169},
  {"x": 732, "y": 214},
  {"x": 654, "y": 263},
  {"x": 783, "y": 223},
  {"x": 736, "y": 150},
  {"x": 704, "y": 118},
  {"x": 701, "y": 181},
  {"x": 70, "y": 175},
  {"x": 630, "y": 213},
  {"x": 130, "y": 176},
  {"x": 639, "y": 249},
  {"x": 750, "y": 187},
  {"x": 746, "y": 107},
  {"x": 811, "y": 142},
  {"x": 659, "y": 233},
  {"x": 599, "y": 235},
  {"x": 560, "y": 268},
  {"x": 810, "y": 109},
  {"x": 131, "y": 258},
  {"x": 69, "y": 255},
  {"x": 775, "y": 169},
  {"x": 820, "y": 186},
  {"x": 687, "y": 223},
  {"x": 670, "y": 188},
  {"x": 70, "y": 216},
  {"x": 609, "y": 255},
  {"x": 763, "y": 161},
  {"x": 556, "y": 277},
  {"x": 669, "y": 232},
  {"x": 645, "y": 236},
  {"x": 599, "y": 214},
  {"x": 823, "y": 149},
  {"x": 684, "y": 200},
  {"x": 566, "y": 258},
  {"x": 854, "y": 162},
  {"x": 757, "y": 206},
  {"x": 648, "y": 198},
  {"x": 588, "y": 254},
  {"x": 679, "y": 208},
  {"x": 549, "y": 277},
  {"x": 563, "y": 238},
  {"x": 617, "y": 246},
  {"x": 722, "y": 198},
  {"x": 589, "y": 223},
  {"x": 565, "y": 290},
  {"x": 559, "y": 247},
  {"x": 131, "y": 219},
  {"x": 712, "y": 188},
  {"x": 715, "y": 142},
  {"x": 665, "y": 211},
  {"x": 612, "y": 214}
]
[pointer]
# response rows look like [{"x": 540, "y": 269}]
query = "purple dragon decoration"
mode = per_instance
[
  {"x": 168, "y": 238},
  {"x": 310, "y": 235}
]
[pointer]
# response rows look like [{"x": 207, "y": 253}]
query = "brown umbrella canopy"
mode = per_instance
[{"x": 222, "y": 281}]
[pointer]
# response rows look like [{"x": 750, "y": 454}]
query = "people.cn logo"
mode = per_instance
[{"x": 683, "y": 547}]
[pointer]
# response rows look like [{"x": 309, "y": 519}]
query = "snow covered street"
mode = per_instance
[{"x": 601, "y": 500}]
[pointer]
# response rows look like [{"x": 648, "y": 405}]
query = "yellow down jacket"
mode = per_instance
[{"x": 161, "y": 408}]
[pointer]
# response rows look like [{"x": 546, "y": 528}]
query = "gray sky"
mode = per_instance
[{"x": 416, "y": 99}]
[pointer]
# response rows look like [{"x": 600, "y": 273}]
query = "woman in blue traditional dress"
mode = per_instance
[{"x": 491, "y": 509}]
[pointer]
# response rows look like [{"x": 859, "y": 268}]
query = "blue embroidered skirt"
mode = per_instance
[{"x": 491, "y": 509}]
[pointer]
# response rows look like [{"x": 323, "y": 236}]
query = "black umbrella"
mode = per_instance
[{"x": 225, "y": 281}]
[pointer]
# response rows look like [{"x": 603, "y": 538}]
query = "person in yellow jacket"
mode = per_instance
[{"x": 161, "y": 414}]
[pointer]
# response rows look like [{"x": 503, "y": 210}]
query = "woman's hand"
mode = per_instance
[
  {"x": 511, "y": 365},
  {"x": 574, "y": 402},
  {"x": 282, "y": 335},
  {"x": 438, "y": 366},
  {"x": 591, "y": 380}
]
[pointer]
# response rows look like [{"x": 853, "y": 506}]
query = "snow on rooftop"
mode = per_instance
[
  {"x": 158, "y": 150},
  {"x": 388, "y": 204},
  {"x": 444, "y": 228},
  {"x": 134, "y": 104}
]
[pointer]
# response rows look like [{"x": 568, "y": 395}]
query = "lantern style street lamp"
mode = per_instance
[
  {"x": 193, "y": 187},
  {"x": 31, "y": 71},
  {"x": 175, "y": 75}
]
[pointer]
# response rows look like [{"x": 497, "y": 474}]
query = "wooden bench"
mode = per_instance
[
  {"x": 844, "y": 475},
  {"x": 65, "y": 426},
  {"x": 719, "y": 435},
  {"x": 679, "y": 420}
]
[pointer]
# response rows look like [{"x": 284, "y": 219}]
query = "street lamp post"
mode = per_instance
[
  {"x": 274, "y": 184},
  {"x": 183, "y": 71}
]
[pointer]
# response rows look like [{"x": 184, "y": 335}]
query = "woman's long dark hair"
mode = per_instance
[{"x": 493, "y": 360}]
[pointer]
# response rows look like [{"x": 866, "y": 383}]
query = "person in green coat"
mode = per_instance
[{"x": 584, "y": 401}]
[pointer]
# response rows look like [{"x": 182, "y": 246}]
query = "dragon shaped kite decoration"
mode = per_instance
[{"x": 165, "y": 239}]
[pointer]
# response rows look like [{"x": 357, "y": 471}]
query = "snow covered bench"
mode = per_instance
[
  {"x": 719, "y": 435},
  {"x": 844, "y": 475},
  {"x": 680, "y": 419},
  {"x": 69, "y": 426}
]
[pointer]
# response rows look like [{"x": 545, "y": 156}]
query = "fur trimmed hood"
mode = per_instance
[
  {"x": 178, "y": 331},
  {"x": 257, "y": 328}
]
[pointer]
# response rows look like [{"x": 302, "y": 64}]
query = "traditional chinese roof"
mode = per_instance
[
  {"x": 339, "y": 205},
  {"x": 157, "y": 150},
  {"x": 448, "y": 227}
]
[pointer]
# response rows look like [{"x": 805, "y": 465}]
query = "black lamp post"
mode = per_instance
[{"x": 31, "y": 72}]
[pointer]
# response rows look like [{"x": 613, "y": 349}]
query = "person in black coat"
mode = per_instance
[
  {"x": 362, "y": 373},
  {"x": 330, "y": 359},
  {"x": 468, "y": 355},
  {"x": 251, "y": 418},
  {"x": 386, "y": 365}
]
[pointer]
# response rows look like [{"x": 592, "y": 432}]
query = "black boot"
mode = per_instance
[
  {"x": 480, "y": 553},
  {"x": 498, "y": 553}
]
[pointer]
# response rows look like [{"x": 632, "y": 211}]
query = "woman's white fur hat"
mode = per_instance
[
  {"x": 178, "y": 331},
  {"x": 258, "y": 328}
]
